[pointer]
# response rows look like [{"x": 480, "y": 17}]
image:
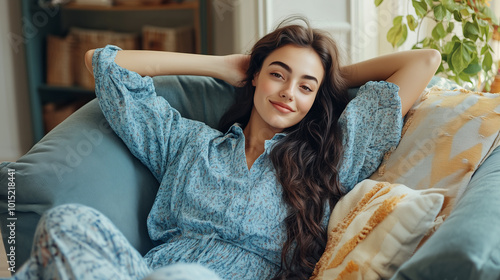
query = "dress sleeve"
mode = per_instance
[
  {"x": 371, "y": 125},
  {"x": 146, "y": 123}
]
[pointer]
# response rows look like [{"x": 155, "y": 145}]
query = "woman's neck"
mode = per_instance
[{"x": 256, "y": 132}]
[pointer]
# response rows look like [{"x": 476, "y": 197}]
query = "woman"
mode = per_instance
[{"x": 253, "y": 202}]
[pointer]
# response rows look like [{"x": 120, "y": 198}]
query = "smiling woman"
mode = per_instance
[
  {"x": 287, "y": 81},
  {"x": 250, "y": 200}
]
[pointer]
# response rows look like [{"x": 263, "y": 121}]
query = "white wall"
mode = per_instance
[
  {"x": 331, "y": 16},
  {"x": 354, "y": 24},
  {"x": 386, "y": 12},
  {"x": 15, "y": 123},
  {"x": 365, "y": 29}
]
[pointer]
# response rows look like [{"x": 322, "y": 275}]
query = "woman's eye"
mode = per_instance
[
  {"x": 307, "y": 88},
  {"x": 277, "y": 75}
]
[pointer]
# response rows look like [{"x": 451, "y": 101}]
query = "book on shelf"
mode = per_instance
[{"x": 94, "y": 2}]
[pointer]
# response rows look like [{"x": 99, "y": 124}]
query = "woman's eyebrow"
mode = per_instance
[{"x": 287, "y": 68}]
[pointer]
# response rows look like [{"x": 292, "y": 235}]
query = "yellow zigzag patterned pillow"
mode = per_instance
[
  {"x": 375, "y": 228},
  {"x": 446, "y": 136}
]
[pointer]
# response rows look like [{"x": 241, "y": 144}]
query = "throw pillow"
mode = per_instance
[
  {"x": 446, "y": 136},
  {"x": 375, "y": 228}
]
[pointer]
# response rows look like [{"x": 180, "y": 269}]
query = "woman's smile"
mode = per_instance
[{"x": 282, "y": 107}]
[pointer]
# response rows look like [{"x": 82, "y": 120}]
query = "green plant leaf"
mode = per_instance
[
  {"x": 484, "y": 49},
  {"x": 450, "y": 5},
  {"x": 397, "y": 34},
  {"x": 460, "y": 59},
  {"x": 378, "y": 2},
  {"x": 465, "y": 12},
  {"x": 489, "y": 34},
  {"x": 471, "y": 31},
  {"x": 456, "y": 46},
  {"x": 484, "y": 31},
  {"x": 405, "y": 35},
  {"x": 433, "y": 45},
  {"x": 412, "y": 22},
  {"x": 457, "y": 16},
  {"x": 464, "y": 77},
  {"x": 472, "y": 69},
  {"x": 487, "y": 62},
  {"x": 420, "y": 8},
  {"x": 438, "y": 31},
  {"x": 397, "y": 20},
  {"x": 444, "y": 56},
  {"x": 450, "y": 27},
  {"x": 440, "y": 12},
  {"x": 394, "y": 35},
  {"x": 448, "y": 47},
  {"x": 470, "y": 47},
  {"x": 426, "y": 41},
  {"x": 440, "y": 68}
]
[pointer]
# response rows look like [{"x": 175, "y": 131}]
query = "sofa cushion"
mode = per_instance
[
  {"x": 83, "y": 161},
  {"x": 446, "y": 136},
  {"x": 466, "y": 246},
  {"x": 375, "y": 228}
]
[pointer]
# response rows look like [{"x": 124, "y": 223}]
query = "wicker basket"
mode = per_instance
[
  {"x": 175, "y": 39},
  {"x": 86, "y": 39},
  {"x": 59, "y": 62}
]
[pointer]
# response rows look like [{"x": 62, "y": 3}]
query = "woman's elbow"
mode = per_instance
[
  {"x": 433, "y": 59},
  {"x": 88, "y": 60}
]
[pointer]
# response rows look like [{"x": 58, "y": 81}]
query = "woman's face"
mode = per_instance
[{"x": 286, "y": 86}]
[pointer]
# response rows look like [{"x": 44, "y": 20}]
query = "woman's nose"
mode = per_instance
[{"x": 287, "y": 92}]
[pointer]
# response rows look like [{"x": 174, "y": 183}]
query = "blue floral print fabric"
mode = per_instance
[
  {"x": 371, "y": 126},
  {"x": 210, "y": 208},
  {"x": 77, "y": 242}
]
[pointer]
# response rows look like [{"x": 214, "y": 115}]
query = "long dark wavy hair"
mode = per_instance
[{"x": 308, "y": 157}]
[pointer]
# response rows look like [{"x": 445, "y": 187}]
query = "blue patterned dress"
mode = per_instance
[{"x": 210, "y": 208}]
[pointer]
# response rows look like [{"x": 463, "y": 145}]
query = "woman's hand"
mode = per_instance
[{"x": 236, "y": 66}]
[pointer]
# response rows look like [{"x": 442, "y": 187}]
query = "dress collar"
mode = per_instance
[{"x": 268, "y": 144}]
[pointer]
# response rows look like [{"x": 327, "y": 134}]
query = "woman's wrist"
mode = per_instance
[{"x": 216, "y": 67}]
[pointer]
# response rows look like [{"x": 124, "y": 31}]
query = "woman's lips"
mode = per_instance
[{"x": 282, "y": 107}]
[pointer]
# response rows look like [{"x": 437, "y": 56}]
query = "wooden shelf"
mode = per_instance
[
  {"x": 188, "y": 5},
  {"x": 60, "y": 20}
]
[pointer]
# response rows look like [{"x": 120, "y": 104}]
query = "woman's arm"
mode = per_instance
[
  {"x": 230, "y": 68},
  {"x": 410, "y": 70}
]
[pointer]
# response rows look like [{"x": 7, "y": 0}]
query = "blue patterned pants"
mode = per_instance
[{"x": 77, "y": 242}]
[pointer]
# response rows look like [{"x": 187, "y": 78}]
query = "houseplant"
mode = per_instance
[{"x": 462, "y": 32}]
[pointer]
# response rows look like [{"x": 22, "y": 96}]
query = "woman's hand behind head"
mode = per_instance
[{"x": 236, "y": 67}]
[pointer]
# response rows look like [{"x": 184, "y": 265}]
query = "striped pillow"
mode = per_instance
[
  {"x": 375, "y": 228},
  {"x": 446, "y": 136}
]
